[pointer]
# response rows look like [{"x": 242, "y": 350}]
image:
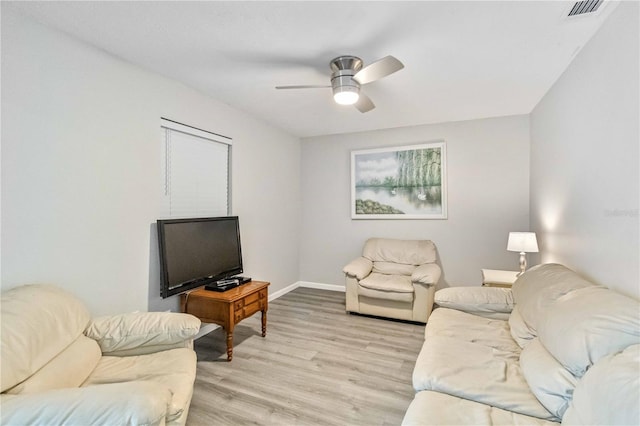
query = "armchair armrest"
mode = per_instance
[
  {"x": 131, "y": 403},
  {"x": 359, "y": 268},
  {"x": 476, "y": 300},
  {"x": 142, "y": 332},
  {"x": 429, "y": 273}
]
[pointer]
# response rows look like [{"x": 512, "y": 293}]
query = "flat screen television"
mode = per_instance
[{"x": 199, "y": 251}]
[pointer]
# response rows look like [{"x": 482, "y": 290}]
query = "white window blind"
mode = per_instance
[{"x": 195, "y": 166}]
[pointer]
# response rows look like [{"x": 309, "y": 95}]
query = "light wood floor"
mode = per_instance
[{"x": 316, "y": 366}]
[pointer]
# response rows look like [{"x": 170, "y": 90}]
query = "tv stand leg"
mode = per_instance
[
  {"x": 264, "y": 323},
  {"x": 229, "y": 344}
]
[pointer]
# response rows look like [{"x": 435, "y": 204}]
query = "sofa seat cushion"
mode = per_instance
[
  {"x": 475, "y": 358},
  {"x": 477, "y": 372},
  {"x": 137, "y": 403},
  {"x": 389, "y": 287},
  {"x": 175, "y": 368},
  {"x": 493, "y": 333},
  {"x": 433, "y": 408}
]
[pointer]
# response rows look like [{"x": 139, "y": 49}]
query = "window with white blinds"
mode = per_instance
[{"x": 195, "y": 172}]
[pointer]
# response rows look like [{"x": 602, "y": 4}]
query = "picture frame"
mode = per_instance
[{"x": 404, "y": 182}]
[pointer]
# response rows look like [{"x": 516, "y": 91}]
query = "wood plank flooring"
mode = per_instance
[{"x": 316, "y": 366}]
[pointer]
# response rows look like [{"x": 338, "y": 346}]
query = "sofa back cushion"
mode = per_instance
[
  {"x": 390, "y": 268},
  {"x": 520, "y": 331},
  {"x": 407, "y": 252},
  {"x": 588, "y": 324},
  {"x": 609, "y": 392},
  {"x": 69, "y": 369},
  {"x": 548, "y": 380},
  {"x": 38, "y": 322},
  {"x": 538, "y": 288}
]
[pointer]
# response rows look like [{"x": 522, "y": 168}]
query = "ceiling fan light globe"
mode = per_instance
[{"x": 346, "y": 95}]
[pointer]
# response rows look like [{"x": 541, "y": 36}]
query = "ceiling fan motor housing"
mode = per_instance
[{"x": 344, "y": 68}]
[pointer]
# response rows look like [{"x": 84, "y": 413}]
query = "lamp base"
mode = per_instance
[{"x": 523, "y": 262}]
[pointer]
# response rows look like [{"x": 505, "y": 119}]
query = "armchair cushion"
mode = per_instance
[
  {"x": 122, "y": 334},
  {"x": 392, "y": 283},
  {"x": 358, "y": 268},
  {"x": 136, "y": 403},
  {"x": 391, "y": 268},
  {"x": 389, "y": 287},
  {"x": 409, "y": 252}
]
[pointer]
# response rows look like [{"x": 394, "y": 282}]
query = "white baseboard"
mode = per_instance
[
  {"x": 307, "y": 284},
  {"x": 282, "y": 291},
  {"x": 321, "y": 286}
]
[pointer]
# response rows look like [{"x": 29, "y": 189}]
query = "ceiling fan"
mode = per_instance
[{"x": 348, "y": 75}]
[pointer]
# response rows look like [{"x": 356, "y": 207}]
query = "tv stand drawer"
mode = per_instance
[
  {"x": 247, "y": 310},
  {"x": 251, "y": 309},
  {"x": 249, "y": 299}
]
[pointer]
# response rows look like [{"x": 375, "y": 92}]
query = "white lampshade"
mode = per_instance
[{"x": 522, "y": 242}]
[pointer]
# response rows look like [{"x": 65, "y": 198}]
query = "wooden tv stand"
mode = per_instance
[{"x": 229, "y": 307}]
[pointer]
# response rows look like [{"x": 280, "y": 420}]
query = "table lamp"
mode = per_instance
[{"x": 523, "y": 242}]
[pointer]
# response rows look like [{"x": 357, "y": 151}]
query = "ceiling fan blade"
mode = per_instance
[
  {"x": 377, "y": 70},
  {"x": 302, "y": 87},
  {"x": 364, "y": 103}
]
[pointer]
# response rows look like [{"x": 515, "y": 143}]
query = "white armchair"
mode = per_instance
[
  {"x": 393, "y": 279},
  {"x": 61, "y": 367}
]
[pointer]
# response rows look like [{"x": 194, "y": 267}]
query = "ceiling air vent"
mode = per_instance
[{"x": 584, "y": 7}]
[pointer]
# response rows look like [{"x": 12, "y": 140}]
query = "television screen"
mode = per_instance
[{"x": 195, "y": 252}]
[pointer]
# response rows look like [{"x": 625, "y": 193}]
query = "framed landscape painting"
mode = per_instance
[{"x": 407, "y": 182}]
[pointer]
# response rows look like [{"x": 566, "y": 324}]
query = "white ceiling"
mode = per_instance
[{"x": 463, "y": 59}]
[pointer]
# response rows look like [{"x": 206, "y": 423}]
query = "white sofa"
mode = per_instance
[
  {"x": 554, "y": 348},
  {"x": 393, "y": 279},
  {"x": 60, "y": 367}
]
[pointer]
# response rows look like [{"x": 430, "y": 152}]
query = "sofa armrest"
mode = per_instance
[
  {"x": 131, "y": 403},
  {"x": 359, "y": 268},
  {"x": 130, "y": 334},
  {"x": 476, "y": 300},
  {"x": 429, "y": 273}
]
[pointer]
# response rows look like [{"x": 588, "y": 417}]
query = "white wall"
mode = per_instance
[
  {"x": 585, "y": 159},
  {"x": 488, "y": 192},
  {"x": 81, "y": 172}
]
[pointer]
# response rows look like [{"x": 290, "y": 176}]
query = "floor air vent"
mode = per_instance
[{"x": 584, "y": 7}]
